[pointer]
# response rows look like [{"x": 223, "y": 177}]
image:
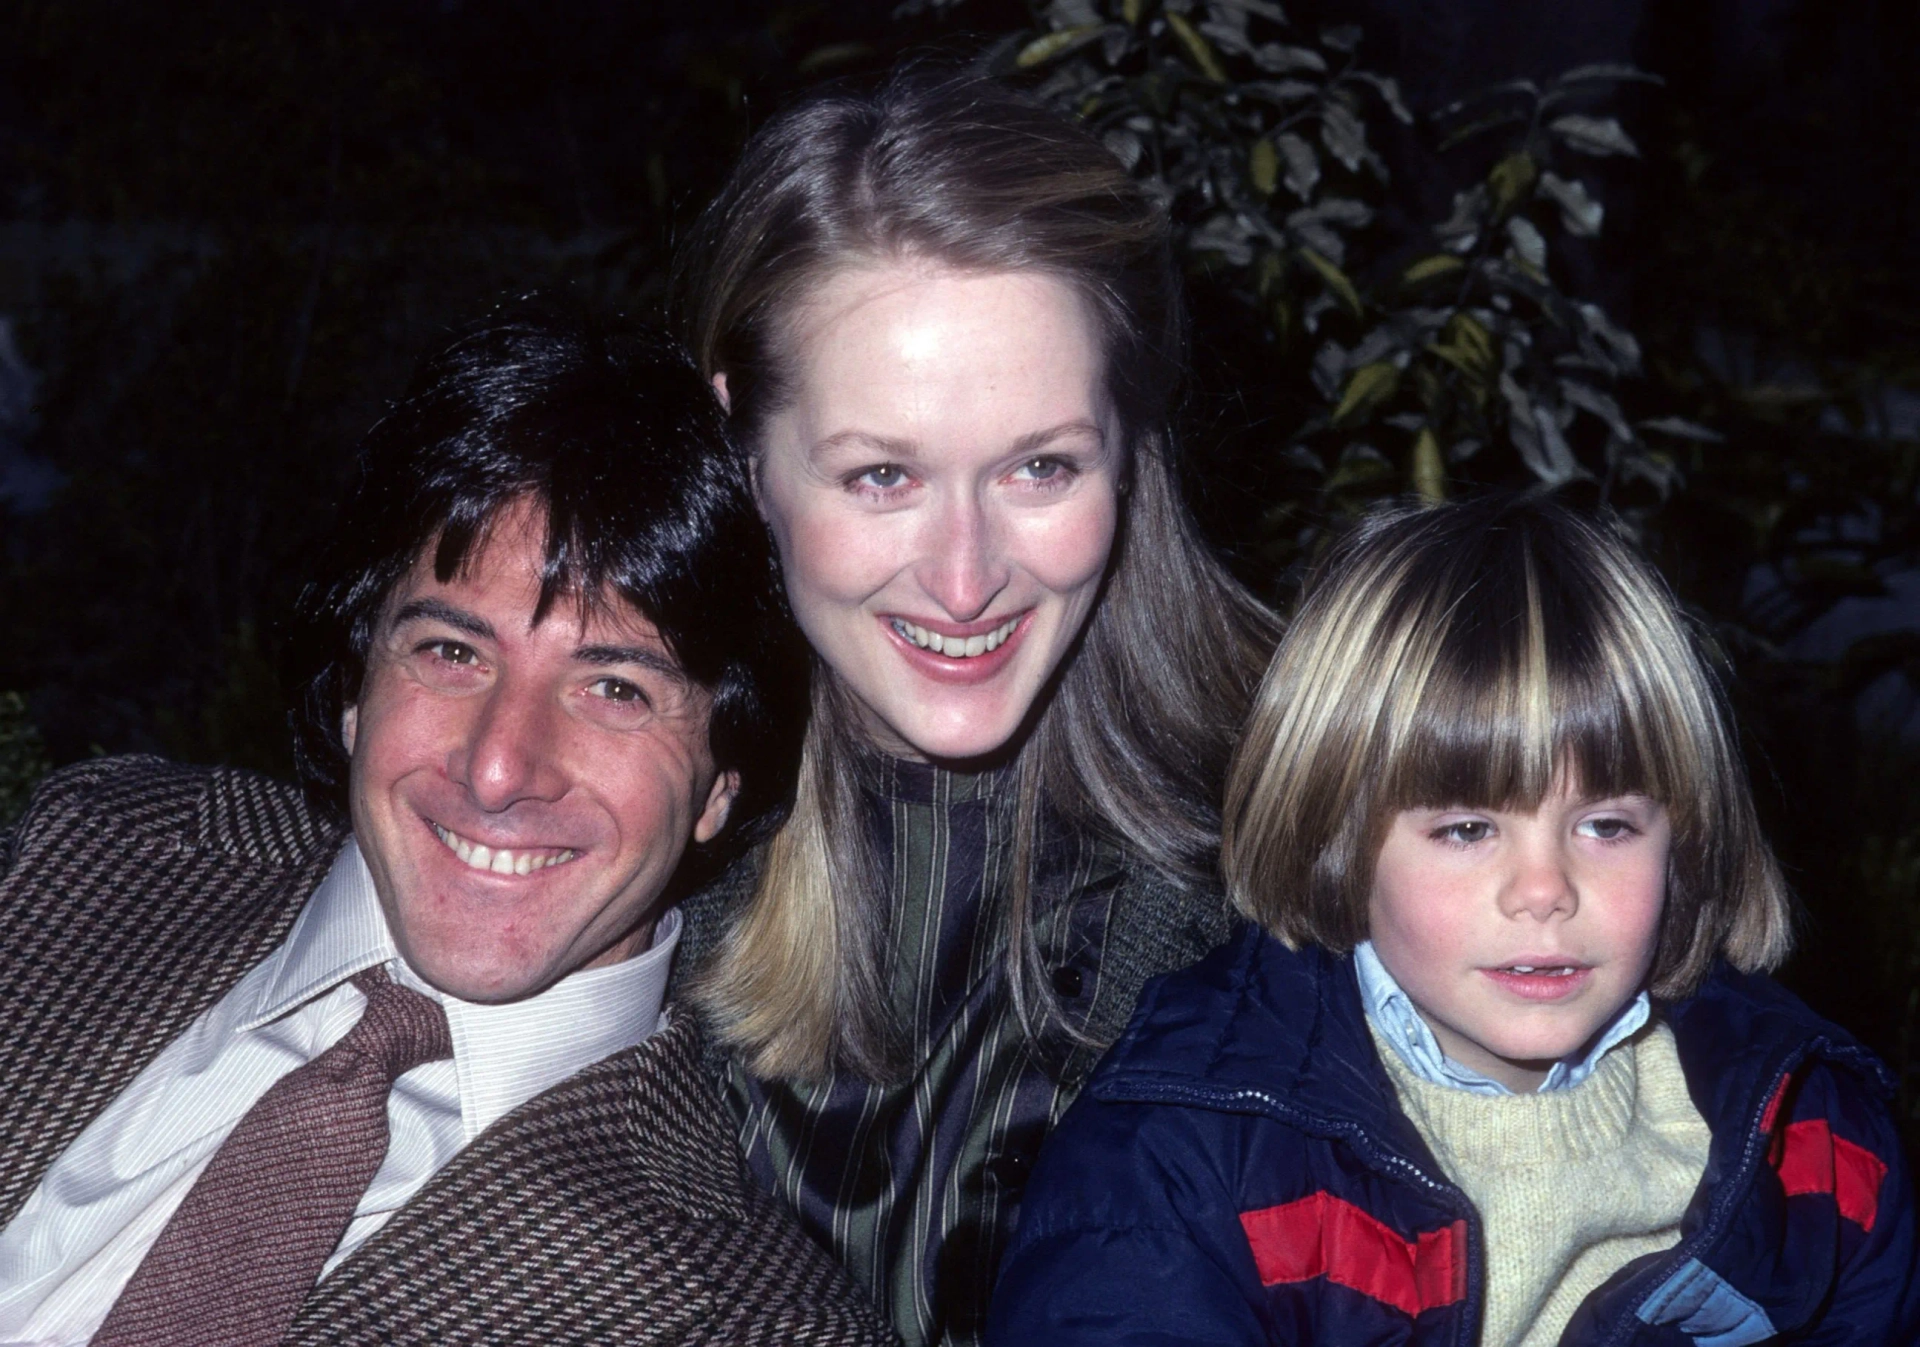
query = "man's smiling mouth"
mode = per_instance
[{"x": 500, "y": 860}]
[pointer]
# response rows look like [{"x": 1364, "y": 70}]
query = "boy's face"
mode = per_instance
[{"x": 1466, "y": 901}]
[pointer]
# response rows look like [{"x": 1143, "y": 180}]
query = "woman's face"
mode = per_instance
[{"x": 944, "y": 488}]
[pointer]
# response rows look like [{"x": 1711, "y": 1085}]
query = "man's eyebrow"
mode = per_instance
[
  {"x": 436, "y": 610},
  {"x": 645, "y": 656}
]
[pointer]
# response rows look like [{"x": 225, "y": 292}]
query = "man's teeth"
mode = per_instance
[
  {"x": 955, "y": 647},
  {"x": 500, "y": 860}
]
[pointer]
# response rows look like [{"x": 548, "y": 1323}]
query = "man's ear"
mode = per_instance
[
  {"x": 349, "y": 726},
  {"x": 720, "y": 391},
  {"x": 719, "y": 804}
]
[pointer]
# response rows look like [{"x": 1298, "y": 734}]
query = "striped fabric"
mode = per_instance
[{"x": 915, "y": 1187}]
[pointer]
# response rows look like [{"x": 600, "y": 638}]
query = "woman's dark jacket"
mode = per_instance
[{"x": 1239, "y": 1171}]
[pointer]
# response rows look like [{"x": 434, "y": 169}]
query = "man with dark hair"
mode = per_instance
[{"x": 386, "y": 1061}]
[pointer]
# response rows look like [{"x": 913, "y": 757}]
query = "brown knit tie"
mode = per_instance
[{"x": 247, "y": 1244}]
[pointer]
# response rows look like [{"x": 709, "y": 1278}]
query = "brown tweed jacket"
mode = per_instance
[{"x": 614, "y": 1208}]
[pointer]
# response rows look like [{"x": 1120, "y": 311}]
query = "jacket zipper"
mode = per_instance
[{"x": 1388, "y": 1161}]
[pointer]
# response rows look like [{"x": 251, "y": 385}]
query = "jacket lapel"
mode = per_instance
[
  {"x": 131, "y": 905},
  {"x": 624, "y": 1176}
]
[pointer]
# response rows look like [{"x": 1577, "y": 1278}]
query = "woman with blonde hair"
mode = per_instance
[{"x": 947, "y": 326}]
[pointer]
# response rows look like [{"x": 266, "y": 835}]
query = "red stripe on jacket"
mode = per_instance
[
  {"x": 1814, "y": 1160},
  {"x": 1322, "y": 1236}
]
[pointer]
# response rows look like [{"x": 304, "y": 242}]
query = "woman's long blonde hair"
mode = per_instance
[{"x": 1131, "y": 738}]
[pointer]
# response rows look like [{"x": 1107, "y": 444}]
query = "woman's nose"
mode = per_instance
[
  {"x": 511, "y": 749},
  {"x": 963, "y": 568}
]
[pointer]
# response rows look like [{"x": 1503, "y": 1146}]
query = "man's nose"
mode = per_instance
[
  {"x": 1542, "y": 885},
  {"x": 963, "y": 565},
  {"x": 511, "y": 750}
]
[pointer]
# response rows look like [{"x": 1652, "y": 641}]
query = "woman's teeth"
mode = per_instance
[
  {"x": 955, "y": 647},
  {"x": 501, "y": 861}
]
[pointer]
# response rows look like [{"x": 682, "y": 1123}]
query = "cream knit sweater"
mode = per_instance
[{"x": 1569, "y": 1185}]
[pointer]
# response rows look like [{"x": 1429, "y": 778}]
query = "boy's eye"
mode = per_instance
[{"x": 1607, "y": 829}]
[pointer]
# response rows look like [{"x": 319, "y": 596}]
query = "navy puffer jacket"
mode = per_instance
[{"x": 1239, "y": 1171}]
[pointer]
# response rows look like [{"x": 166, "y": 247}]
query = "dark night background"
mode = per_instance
[{"x": 228, "y": 230}]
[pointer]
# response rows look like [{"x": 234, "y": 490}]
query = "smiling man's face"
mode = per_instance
[{"x": 522, "y": 792}]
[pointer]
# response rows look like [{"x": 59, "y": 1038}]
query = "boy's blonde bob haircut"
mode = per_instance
[{"x": 1470, "y": 655}]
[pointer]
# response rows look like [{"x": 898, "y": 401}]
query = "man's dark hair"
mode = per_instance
[{"x": 612, "y": 434}]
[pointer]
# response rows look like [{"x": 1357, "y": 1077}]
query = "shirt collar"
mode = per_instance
[
  {"x": 503, "y": 1054},
  {"x": 1390, "y": 1010}
]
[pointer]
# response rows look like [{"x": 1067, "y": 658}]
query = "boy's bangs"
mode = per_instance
[{"x": 1539, "y": 673}]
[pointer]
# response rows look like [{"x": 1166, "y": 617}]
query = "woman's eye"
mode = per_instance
[
  {"x": 885, "y": 476},
  {"x": 1041, "y": 470}
]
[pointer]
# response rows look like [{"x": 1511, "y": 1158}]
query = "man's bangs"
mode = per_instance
[{"x": 586, "y": 560}]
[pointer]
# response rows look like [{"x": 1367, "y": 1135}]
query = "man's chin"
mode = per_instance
[{"x": 480, "y": 980}]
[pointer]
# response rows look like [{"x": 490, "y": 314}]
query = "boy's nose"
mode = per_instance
[{"x": 1541, "y": 887}]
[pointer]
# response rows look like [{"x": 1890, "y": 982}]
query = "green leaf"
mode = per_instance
[
  {"x": 1428, "y": 268},
  {"x": 1593, "y": 135},
  {"x": 1370, "y": 386},
  {"x": 1303, "y": 165},
  {"x": 1579, "y": 212},
  {"x": 1044, "y": 49},
  {"x": 1681, "y": 428},
  {"x": 1336, "y": 280},
  {"x": 1511, "y": 180},
  {"x": 1198, "y": 49},
  {"x": 1263, "y": 166},
  {"x": 1467, "y": 332},
  {"x": 1429, "y": 469}
]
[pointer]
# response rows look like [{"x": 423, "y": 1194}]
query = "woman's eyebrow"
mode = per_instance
[
  {"x": 893, "y": 447},
  {"x": 861, "y": 439}
]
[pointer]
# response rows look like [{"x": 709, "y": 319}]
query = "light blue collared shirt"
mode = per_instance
[{"x": 1390, "y": 1011}]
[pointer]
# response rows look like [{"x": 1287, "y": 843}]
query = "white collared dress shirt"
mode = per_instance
[{"x": 65, "y": 1258}]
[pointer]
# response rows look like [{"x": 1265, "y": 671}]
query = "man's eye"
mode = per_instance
[
  {"x": 618, "y": 690},
  {"x": 883, "y": 475},
  {"x": 453, "y": 652}
]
